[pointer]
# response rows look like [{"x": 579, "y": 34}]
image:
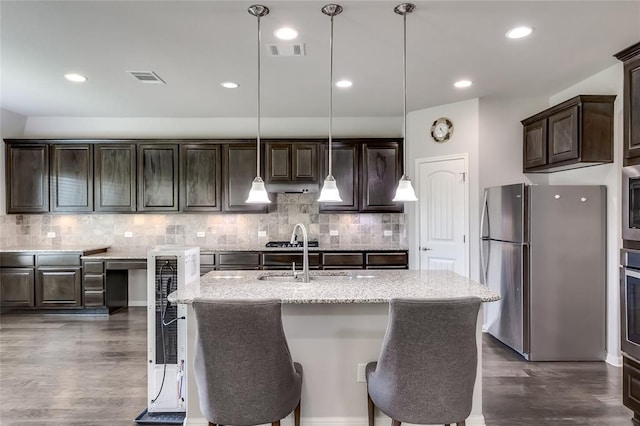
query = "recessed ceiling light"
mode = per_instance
[
  {"x": 77, "y": 78},
  {"x": 229, "y": 85},
  {"x": 286, "y": 33},
  {"x": 344, "y": 83},
  {"x": 519, "y": 32},
  {"x": 462, "y": 84}
]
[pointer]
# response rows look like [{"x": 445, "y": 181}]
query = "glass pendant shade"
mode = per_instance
[
  {"x": 258, "y": 193},
  {"x": 405, "y": 191},
  {"x": 329, "y": 192}
]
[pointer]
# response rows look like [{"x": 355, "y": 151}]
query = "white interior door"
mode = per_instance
[{"x": 442, "y": 213}]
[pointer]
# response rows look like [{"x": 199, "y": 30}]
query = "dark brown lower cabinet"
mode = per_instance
[
  {"x": 631, "y": 387},
  {"x": 16, "y": 287},
  {"x": 387, "y": 260},
  {"x": 58, "y": 287},
  {"x": 284, "y": 261}
]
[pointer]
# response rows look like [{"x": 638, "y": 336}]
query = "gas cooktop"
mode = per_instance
[{"x": 287, "y": 244}]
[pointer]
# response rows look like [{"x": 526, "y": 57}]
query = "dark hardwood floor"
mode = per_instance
[
  {"x": 62, "y": 370},
  {"x": 517, "y": 392}
]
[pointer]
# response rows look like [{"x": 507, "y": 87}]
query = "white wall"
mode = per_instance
[
  {"x": 106, "y": 127},
  {"x": 11, "y": 126},
  {"x": 607, "y": 82},
  {"x": 500, "y": 153},
  {"x": 465, "y": 119}
]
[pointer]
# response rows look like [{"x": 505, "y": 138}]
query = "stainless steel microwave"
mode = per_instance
[{"x": 631, "y": 203}]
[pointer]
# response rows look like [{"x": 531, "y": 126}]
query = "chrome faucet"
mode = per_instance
[{"x": 305, "y": 251}]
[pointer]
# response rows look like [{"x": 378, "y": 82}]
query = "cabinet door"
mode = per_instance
[
  {"x": 278, "y": 162},
  {"x": 58, "y": 288},
  {"x": 72, "y": 178},
  {"x": 632, "y": 108},
  {"x": 563, "y": 135},
  {"x": 239, "y": 171},
  {"x": 200, "y": 178},
  {"x": 27, "y": 177},
  {"x": 115, "y": 178},
  {"x": 380, "y": 176},
  {"x": 535, "y": 144},
  {"x": 158, "y": 177},
  {"x": 346, "y": 171},
  {"x": 16, "y": 287},
  {"x": 304, "y": 162}
]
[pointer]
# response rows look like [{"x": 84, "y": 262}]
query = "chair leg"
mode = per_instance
[
  {"x": 462, "y": 423},
  {"x": 296, "y": 415},
  {"x": 371, "y": 410},
  {"x": 212, "y": 424},
  {"x": 395, "y": 422},
  {"x": 276, "y": 423}
]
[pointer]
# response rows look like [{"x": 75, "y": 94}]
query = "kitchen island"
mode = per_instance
[{"x": 333, "y": 323}]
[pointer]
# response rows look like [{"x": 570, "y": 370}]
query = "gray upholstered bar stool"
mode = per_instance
[
  {"x": 427, "y": 366},
  {"x": 243, "y": 368}
]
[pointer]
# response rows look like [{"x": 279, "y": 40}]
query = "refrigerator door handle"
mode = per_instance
[
  {"x": 485, "y": 216},
  {"x": 484, "y": 265}
]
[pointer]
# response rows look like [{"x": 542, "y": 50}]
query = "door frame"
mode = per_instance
[{"x": 416, "y": 244}]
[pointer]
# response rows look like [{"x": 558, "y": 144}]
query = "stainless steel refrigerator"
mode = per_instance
[{"x": 543, "y": 248}]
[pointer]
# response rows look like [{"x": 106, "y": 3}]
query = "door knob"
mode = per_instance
[{"x": 425, "y": 248}]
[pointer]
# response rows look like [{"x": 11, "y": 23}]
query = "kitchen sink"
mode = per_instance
[{"x": 314, "y": 276}]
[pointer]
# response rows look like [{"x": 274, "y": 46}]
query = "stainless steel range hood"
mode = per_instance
[{"x": 293, "y": 187}]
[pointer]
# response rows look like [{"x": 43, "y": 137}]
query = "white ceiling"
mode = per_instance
[{"x": 195, "y": 45}]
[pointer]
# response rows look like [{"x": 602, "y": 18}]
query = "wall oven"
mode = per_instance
[
  {"x": 631, "y": 203},
  {"x": 630, "y": 303}
]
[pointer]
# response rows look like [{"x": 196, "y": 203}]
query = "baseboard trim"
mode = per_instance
[
  {"x": 615, "y": 360},
  {"x": 473, "y": 420}
]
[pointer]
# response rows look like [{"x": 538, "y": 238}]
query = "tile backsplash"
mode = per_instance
[{"x": 220, "y": 230}]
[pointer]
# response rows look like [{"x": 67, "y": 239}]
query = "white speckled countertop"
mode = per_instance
[
  {"x": 82, "y": 249},
  {"x": 359, "y": 286}
]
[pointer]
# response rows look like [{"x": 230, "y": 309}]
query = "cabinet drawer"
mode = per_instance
[
  {"x": 386, "y": 259},
  {"x": 93, "y": 267},
  {"x": 631, "y": 384},
  {"x": 343, "y": 259},
  {"x": 58, "y": 259},
  {"x": 15, "y": 260},
  {"x": 207, "y": 259},
  {"x": 93, "y": 298},
  {"x": 93, "y": 282},
  {"x": 250, "y": 259},
  {"x": 286, "y": 259}
]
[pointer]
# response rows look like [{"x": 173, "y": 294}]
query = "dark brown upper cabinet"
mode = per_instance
[
  {"x": 346, "y": 171},
  {"x": 381, "y": 171},
  {"x": 576, "y": 133},
  {"x": 27, "y": 177},
  {"x": 157, "y": 177},
  {"x": 72, "y": 178},
  {"x": 200, "y": 178},
  {"x": 115, "y": 177},
  {"x": 239, "y": 170},
  {"x": 295, "y": 161},
  {"x": 535, "y": 144},
  {"x": 631, "y": 58}
]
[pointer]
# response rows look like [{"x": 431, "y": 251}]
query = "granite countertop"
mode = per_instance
[
  {"x": 359, "y": 286},
  {"x": 120, "y": 254},
  {"x": 82, "y": 249}
]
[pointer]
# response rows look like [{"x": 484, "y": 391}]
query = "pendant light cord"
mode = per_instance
[
  {"x": 258, "y": 131},
  {"x": 330, "y": 94},
  {"x": 404, "y": 91}
]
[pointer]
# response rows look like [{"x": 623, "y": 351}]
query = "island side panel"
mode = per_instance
[{"x": 329, "y": 340}]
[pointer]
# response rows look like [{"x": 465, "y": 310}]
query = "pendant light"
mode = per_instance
[
  {"x": 258, "y": 193},
  {"x": 405, "y": 191},
  {"x": 329, "y": 192}
]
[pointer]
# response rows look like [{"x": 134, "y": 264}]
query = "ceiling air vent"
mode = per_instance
[
  {"x": 147, "y": 77},
  {"x": 286, "y": 49}
]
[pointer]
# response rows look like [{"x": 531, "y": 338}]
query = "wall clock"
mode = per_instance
[{"x": 441, "y": 130}]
